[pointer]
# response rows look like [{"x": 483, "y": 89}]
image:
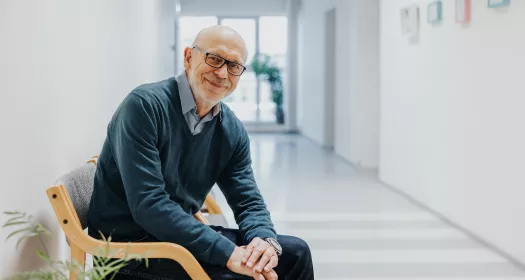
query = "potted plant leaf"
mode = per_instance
[
  {"x": 264, "y": 68},
  {"x": 26, "y": 227}
]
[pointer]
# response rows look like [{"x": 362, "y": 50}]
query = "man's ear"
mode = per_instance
[{"x": 187, "y": 58}]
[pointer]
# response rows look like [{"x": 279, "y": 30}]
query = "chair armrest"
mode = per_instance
[
  {"x": 70, "y": 224},
  {"x": 149, "y": 250}
]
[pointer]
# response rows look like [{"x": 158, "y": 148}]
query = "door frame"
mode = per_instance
[{"x": 330, "y": 21}]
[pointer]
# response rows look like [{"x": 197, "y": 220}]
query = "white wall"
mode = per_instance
[
  {"x": 452, "y": 116},
  {"x": 357, "y": 70},
  {"x": 64, "y": 67},
  {"x": 233, "y": 7}
]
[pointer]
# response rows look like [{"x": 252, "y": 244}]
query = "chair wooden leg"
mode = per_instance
[
  {"x": 77, "y": 256},
  {"x": 201, "y": 218},
  {"x": 211, "y": 204}
]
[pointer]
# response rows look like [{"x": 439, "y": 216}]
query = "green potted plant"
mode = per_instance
[
  {"x": 26, "y": 227},
  {"x": 264, "y": 68}
]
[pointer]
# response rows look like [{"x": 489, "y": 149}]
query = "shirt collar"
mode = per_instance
[{"x": 186, "y": 96}]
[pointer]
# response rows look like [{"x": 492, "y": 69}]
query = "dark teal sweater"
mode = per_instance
[{"x": 153, "y": 175}]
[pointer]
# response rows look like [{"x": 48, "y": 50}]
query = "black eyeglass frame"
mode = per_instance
[{"x": 228, "y": 62}]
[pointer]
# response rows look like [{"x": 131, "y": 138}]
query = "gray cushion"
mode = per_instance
[
  {"x": 79, "y": 185},
  {"x": 217, "y": 220}
]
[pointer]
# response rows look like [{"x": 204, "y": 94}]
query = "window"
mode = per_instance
[
  {"x": 252, "y": 100},
  {"x": 243, "y": 101},
  {"x": 246, "y": 27},
  {"x": 273, "y": 37},
  {"x": 189, "y": 28}
]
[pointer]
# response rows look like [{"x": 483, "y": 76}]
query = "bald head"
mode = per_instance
[{"x": 221, "y": 37}]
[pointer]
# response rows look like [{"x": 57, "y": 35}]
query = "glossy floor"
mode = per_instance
[{"x": 356, "y": 227}]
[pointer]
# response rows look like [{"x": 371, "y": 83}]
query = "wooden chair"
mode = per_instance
[{"x": 77, "y": 184}]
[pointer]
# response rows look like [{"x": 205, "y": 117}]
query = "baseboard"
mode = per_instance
[{"x": 267, "y": 128}]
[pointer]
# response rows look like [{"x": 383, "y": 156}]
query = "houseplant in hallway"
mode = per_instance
[
  {"x": 25, "y": 226},
  {"x": 264, "y": 68}
]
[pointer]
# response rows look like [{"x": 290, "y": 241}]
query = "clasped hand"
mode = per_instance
[{"x": 258, "y": 260}]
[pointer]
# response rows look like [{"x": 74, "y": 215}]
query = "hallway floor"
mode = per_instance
[{"x": 356, "y": 227}]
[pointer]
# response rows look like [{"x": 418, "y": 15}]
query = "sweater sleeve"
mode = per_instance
[
  {"x": 238, "y": 184},
  {"x": 134, "y": 137}
]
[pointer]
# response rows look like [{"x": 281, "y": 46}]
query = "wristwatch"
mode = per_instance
[{"x": 275, "y": 245}]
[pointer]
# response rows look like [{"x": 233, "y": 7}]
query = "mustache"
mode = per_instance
[{"x": 218, "y": 81}]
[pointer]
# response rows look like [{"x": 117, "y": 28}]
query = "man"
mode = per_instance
[{"x": 167, "y": 144}]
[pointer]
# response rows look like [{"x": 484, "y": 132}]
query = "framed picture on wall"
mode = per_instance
[
  {"x": 434, "y": 12},
  {"x": 413, "y": 12},
  {"x": 463, "y": 8},
  {"x": 409, "y": 17},
  {"x": 405, "y": 21},
  {"x": 498, "y": 3}
]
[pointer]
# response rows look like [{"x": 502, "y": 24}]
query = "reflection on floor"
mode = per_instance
[{"x": 356, "y": 227}]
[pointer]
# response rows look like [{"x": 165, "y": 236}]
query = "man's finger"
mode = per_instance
[
  {"x": 259, "y": 276},
  {"x": 256, "y": 254},
  {"x": 270, "y": 275},
  {"x": 254, "y": 243},
  {"x": 272, "y": 264},
  {"x": 249, "y": 249},
  {"x": 266, "y": 257},
  {"x": 247, "y": 254}
]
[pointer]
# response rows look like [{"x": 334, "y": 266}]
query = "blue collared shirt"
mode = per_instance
[{"x": 189, "y": 107}]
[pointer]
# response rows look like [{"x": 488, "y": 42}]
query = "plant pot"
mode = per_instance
[{"x": 279, "y": 115}]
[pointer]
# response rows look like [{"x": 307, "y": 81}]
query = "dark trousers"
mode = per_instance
[{"x": 294, "y": 264}]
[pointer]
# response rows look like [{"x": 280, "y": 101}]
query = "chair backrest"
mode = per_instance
[{"x": 79, "y": 185}]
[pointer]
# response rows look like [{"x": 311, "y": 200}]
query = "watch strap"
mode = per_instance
[{"x": 275, "y": 245}]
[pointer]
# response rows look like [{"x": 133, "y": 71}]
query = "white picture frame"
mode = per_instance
[
  {"x": 405, "y": 21},
  {"x": 414, "y": 21},
  {"x": 409, "y": 17}
]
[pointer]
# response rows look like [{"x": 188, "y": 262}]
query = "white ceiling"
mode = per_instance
[{"x": 233, "y": 7}]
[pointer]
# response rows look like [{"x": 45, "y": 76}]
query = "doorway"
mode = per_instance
[{"x": 329, "y": 70}]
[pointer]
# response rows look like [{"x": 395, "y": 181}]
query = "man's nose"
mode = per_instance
[{"x": 222, "y": 72}]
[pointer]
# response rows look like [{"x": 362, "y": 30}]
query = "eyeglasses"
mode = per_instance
[{"x": 216, "y": 61}]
